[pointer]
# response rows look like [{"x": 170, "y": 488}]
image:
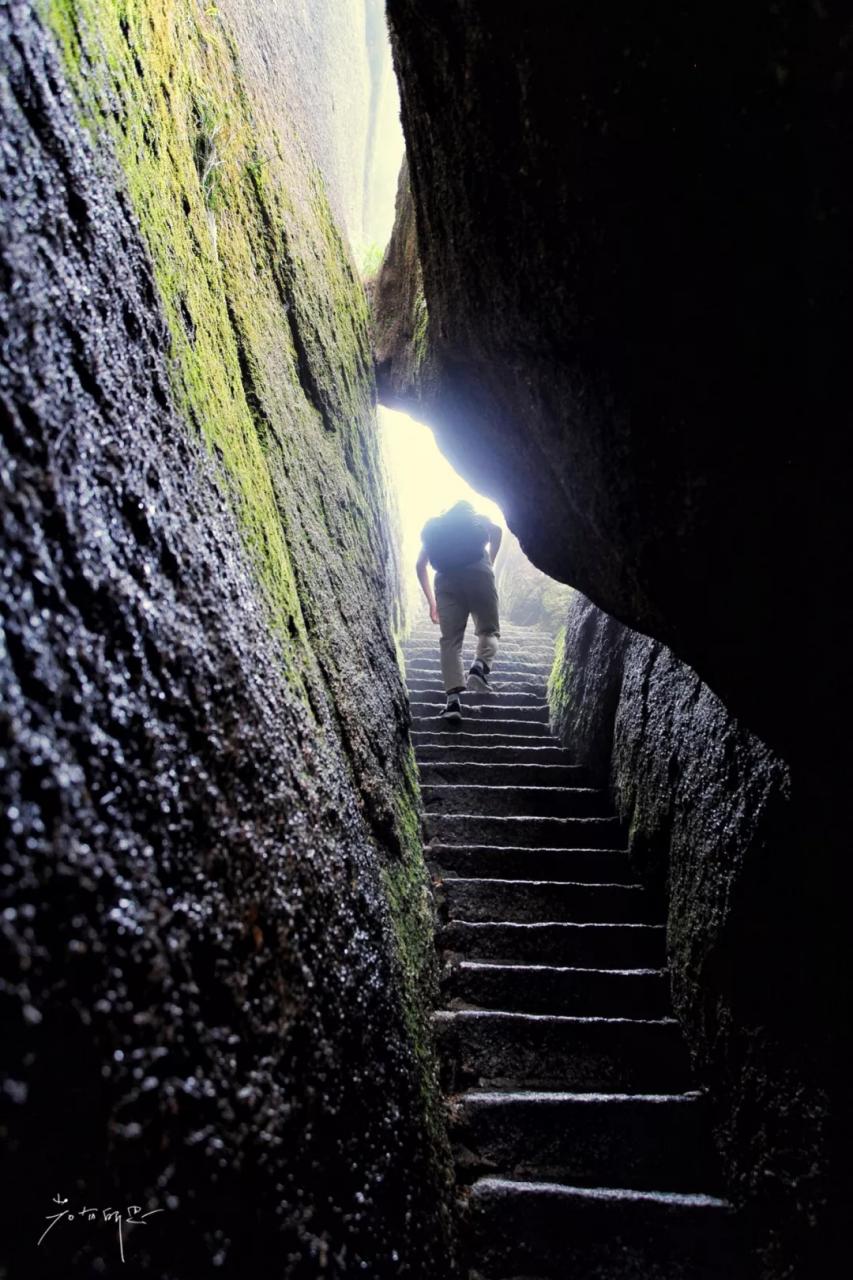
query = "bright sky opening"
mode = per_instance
[{"x": 424, "y": 483}]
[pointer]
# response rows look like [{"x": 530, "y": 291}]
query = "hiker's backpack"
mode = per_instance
[{"x": 454, "y": 540}]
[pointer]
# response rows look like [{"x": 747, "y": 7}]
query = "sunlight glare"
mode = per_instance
[{"x": 424, "y": 484}]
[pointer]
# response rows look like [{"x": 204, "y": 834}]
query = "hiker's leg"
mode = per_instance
[
  {"x": 453, "y": 619},
  {"x": 483, "y": 596},
  {"x": 487, "y": 647}
]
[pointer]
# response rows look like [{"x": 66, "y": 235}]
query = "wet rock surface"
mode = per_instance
[
  {"x": 714, "y": 826},
  {"x": 400, "y": 323},
  {"x": 633, "y": 234},
  {"x": 324, "y": 70},
  {"x": 203, "y": 1005}
]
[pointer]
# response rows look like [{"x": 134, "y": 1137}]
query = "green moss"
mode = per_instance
[
  {"x": 559, "y": 680},
  {"x": 259, "y": 294},
  {"x": 409, "y": 893},
  {"x": 270, "y": 360},
  {"x": 370, "y": 259},
  {"x": 420, "y": 331},
  {"x": 411, "y": 904}
]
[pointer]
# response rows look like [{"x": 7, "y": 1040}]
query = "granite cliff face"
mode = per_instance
[
  {"x": 716, "y": 827},
  {"x": 216, "y": 934}
]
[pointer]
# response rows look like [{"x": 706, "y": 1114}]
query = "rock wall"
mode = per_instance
[
  {"x": 323, "y": 70},
  {"x": 633, "y": 230},
  {"x": 619, "y": 291},
  {"x": 399, "y": 317},
  {"x": 714, "y": 827},
  {"x": 216, "y": 938}
]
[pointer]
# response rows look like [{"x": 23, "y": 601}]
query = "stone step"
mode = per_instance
[
  {"x": 519, "y": 988},
  {"x": 503, "y": 668},
  {"x": 590, "y": 945},
  {"x": 476, "y": 773},
  {"x": 551, "y": 833},
  {"x": 599, "y": 866},
  {"x": 435, "y": 697},
  {"x": 498, "y": 727},
  {"x": 587, "y": 1139},
  {"x": 491, "y": 710},
  {"x": 504, "y": 663},
  {"x": 501, "y": 682},
  {"x": 551, "y": 1231},
  {"x": 495, "y": 746},
  {"x": 539, "y": 802},
  {"x": 524, "y": 636},
  {"x": 531, "y": 656},
  {"x": 536, "y": 689},
  {"x": 499, "y": 1050},
  {"x": 421, "y": 626},
  {"x": 510, "y": 648},
  {"x": 531, "y": 901}
]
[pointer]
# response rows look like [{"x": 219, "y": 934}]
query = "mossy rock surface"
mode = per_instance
[{"x": 215, "y": 899}]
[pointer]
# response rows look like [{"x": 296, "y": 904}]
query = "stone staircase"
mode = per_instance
[{"x": 581, "y": 1150}]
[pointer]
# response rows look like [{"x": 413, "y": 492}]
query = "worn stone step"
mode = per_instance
[
  {"x": 500, "y": 681},
  {"x": 551, "y": 1231},
  {"x": 503, "y": 667},
  {"x": 529, "y": 901},
  {"x": 510, "y": 634},
  {"x": 435, "y": 697},
  {"x": 527, "y": 988},
  {"x": 508, "y": 648},
  {"x": 479, "y": 828},
  {"x": 476, "y": 773},
  {"x": 495, "y": 746},
  {"x": 519, "y": 639},
  {"x": 492, "y": 709},
  {"x": 587, "y": 1139},
  {"x": 506, "y": 653},
  {"x": 591, "y": 945},
  {"x": 539, "y": 802},
  {"x": 544, "y": 1051},
  {"x": 602, "y": 866},
  {"x": 536, "y": 689},
  {"x": 460, "y": 738},
  {"x": 496, "y": 726}
]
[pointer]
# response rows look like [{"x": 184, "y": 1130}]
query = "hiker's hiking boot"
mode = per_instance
[
  {"x": 453, "y": 711},
  {"x": 478, "y": 677}
]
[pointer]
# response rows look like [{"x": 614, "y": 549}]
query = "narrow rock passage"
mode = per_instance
[{"x": 581, "y": 1149}]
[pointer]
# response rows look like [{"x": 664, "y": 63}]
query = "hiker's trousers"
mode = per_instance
[{"x": 460, "y": 593}]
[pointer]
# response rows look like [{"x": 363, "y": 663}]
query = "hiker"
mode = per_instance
[{"x": 462, "y": 546}]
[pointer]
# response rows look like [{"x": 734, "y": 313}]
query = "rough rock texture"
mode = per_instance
[
  {"x": 633, "y": 224},
  {"x": 633, "y": 237},
  {"x": 401, "y": 347},
  {"x": 214, "y": 922},
  {"x": 586, "y": 682},
  {"x": 323, "y": 69},
  {"x": 712, "y": 822}
]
